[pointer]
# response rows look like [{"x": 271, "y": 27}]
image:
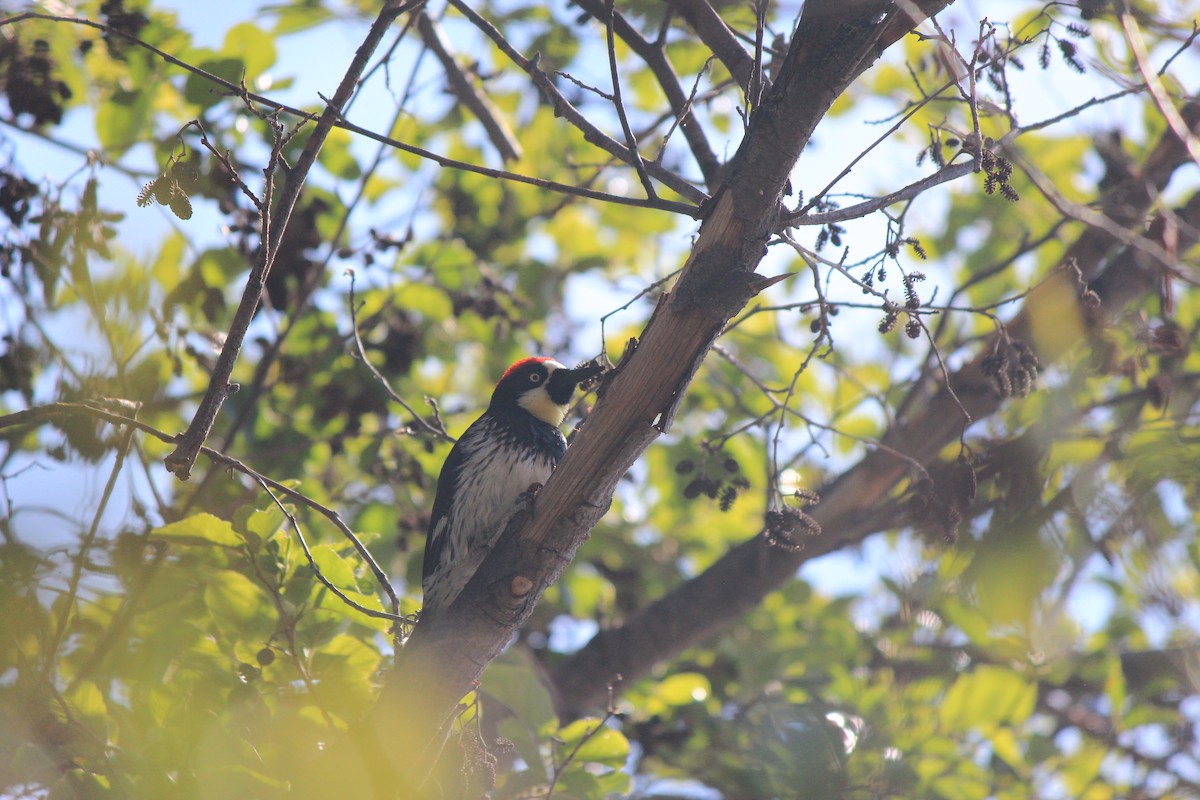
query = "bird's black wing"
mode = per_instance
[{"x": 435, "y": 540}]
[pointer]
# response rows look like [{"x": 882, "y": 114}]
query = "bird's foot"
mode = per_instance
[{"x": 526, "y": 498}]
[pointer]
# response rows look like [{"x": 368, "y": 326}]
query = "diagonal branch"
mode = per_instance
[
  {"x": 656, "y": 59},
  {"x": 464, "y": 89},
  {"x": 619, "y": 103},
  {"x": 564, "y": 108},
  {"x": 180, "y": 460},
  {"x": 718, "y": 38}
]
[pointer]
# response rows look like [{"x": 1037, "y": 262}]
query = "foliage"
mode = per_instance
[{"x": 1007, "y": 605}]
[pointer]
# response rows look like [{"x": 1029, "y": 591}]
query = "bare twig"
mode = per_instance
[
  {"x": 439, "y": 431},
  {"x": 685, "y": 189},
  {"x": 870, "y": 206},
  {"x": 916, "y": 107},
  {"x": 559, "y": 768},
  {"x": 312, "y": 563},
  {"x": 39, "y": 414},
  {"x": 225, "y": 162},
  {"x": 630, "y": 140},
  {"x": 653, "y": 54},
  {"x": 564, "y": 107}
]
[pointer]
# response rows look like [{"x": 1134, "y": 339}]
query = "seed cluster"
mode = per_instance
[
  {"x": 724, "y": 486},
  {"x": 937, "y": 499},
  {"x": 1012, "y": 369},
  {"x": 788, "y": 528}
]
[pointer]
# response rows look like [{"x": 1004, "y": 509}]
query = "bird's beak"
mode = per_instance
[{"x": 579, "y": 374}]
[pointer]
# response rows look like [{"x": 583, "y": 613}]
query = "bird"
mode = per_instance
[{"x": 513, "y": 445}]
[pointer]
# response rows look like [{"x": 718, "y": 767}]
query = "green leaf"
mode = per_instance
[
  {"x": 239, "y": 606},
  {"x": 121, "y": 122},
  {"x": 337, "y": 157},
  {"x": 264, "y": 522},
  {"x": 596, "y": 741},
  {"x": 985, "y": 698},
  {"x": 203, "y": 92},
  {"x": 88, "y": 703},
  {"x": 337, "y": 570},
  {"x": 249, "y": 44},
  {"x": 294, "y": 17},
  {"x": 200, "y": 529},
  {"x": 517, "y": 686},
  {"x": 683, "y": 689}
]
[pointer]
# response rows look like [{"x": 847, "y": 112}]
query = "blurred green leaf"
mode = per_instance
[
  {"x": 987, "y": 697},
  {"x": 592, "y": 741},
  {"x": 200, "y": 529}
]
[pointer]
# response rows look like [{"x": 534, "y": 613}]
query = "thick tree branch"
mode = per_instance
[{"x": 834, "y": 43}]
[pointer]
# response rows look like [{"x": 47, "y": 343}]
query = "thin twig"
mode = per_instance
[
  {"x": 304, "y": 295},
  {"x": 916, "y": 107},
  {"x": 39, "y": 414},
  {"x": 67, "y": 603},
  {"x": 312, "y": 562},
  {"x": 564, "y": 108},
  {"x": 630, "y": 140},
  {"x": 859, "y": 210},
  {"x": 677, "y": 184},
  {"x": 439, "y": 432},
  {"x": 655, "y": 57}
]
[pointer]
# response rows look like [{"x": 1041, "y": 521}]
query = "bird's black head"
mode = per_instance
[{"x": 541, "y": 386}]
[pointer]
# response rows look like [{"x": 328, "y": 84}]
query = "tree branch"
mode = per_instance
[
  {"x": 664, "y": 72},
  {"x": 563, "y": 107},
  {"x": 685, "y": 189},
  {"x": 40, "y": 414},
  {"x": 717, "y": 36},
  {"x": 464, "y": 89},
  {"x": 870, "y": 206},
  {"x": 180, "y": 461}
]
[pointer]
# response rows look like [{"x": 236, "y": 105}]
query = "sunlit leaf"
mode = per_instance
[
  {"x": 590, "y": 740},
  {"x": 200, "y": 529}
]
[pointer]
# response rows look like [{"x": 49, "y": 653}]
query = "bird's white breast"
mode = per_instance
[{"x": 490, "y": 481}]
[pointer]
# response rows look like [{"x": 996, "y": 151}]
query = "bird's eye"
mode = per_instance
[{"x": 535, "y": 378}]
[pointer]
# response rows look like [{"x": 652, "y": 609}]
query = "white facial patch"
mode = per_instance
[{"x": 538, "y": 402}]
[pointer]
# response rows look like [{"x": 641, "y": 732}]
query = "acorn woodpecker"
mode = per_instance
[{"x": 513, "y": 445}]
